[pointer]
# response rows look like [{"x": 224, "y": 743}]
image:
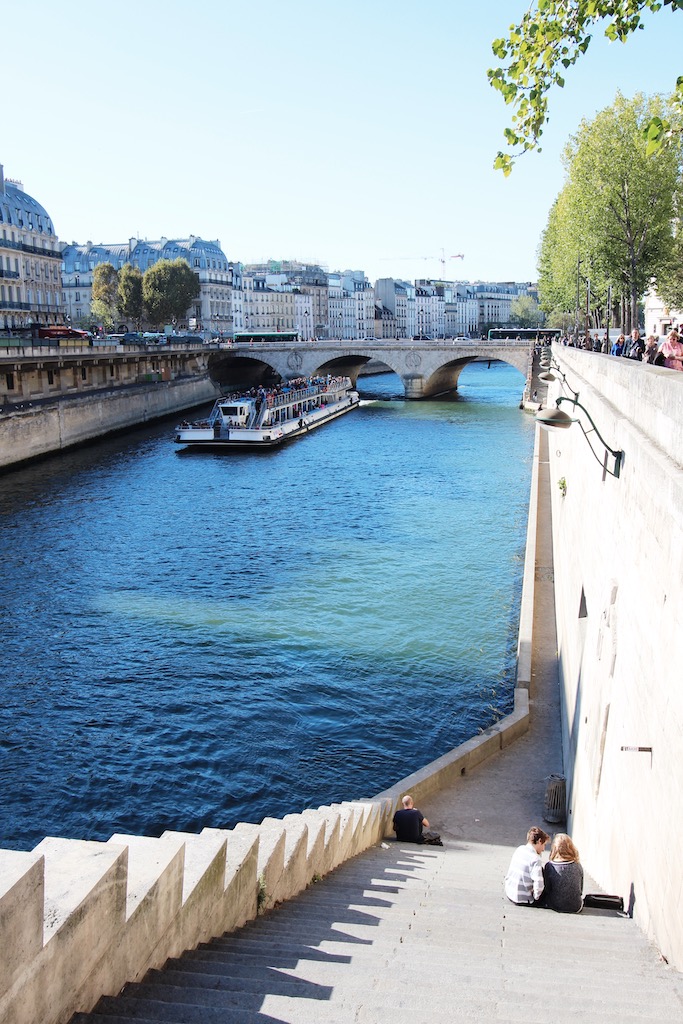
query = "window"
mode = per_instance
[
  {"x": 9, "y": 377},
  {"x": 50, "y": 377}
]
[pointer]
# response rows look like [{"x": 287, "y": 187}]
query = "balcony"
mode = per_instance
[
  {"x": 9, "y": 273},
  {"x": 53, "y": 254}
]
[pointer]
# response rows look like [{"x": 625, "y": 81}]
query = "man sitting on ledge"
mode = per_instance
[{"x": 409, "y": 822}]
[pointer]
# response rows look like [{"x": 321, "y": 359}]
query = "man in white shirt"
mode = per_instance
[{"x": 524, "y": 880}]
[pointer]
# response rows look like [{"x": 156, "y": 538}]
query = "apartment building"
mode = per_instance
[{"x": 30, "y": 260}]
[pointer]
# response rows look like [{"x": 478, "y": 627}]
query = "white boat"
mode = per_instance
[{"x": 264, "y": 417}]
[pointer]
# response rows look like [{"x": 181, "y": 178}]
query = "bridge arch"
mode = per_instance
[{"x": 426, "y": 368}]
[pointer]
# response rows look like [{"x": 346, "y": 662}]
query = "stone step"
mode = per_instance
[
  {"x": 170, "y": 1013},
  {"x": 394, "y": 936}
]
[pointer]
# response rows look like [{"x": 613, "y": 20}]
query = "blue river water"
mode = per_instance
[{"x": 196, "y": 639}]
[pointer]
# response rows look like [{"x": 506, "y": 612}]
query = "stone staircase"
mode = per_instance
[{"x": 400, "y": 934}]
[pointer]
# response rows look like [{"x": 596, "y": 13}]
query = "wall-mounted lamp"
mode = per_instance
[{"x": 555, "y": 419}]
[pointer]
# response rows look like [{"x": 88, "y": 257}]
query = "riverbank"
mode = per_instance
[{"x": 46, "y": 424}]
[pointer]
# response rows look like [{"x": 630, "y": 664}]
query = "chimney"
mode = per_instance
[{"x": 2, "y": 179}]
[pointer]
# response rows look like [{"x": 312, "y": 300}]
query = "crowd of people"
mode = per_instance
[{"x": 667, "y": 353}]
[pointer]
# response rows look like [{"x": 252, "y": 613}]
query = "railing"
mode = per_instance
[
  {"x": 310, "y": 392},
  {"x": 5, "y": 243},
  {"x": 435, "y": 343}
]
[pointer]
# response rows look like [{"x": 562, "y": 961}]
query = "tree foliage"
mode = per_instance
[
  {"x": 168, "y": 288},
  {"x": 525, "y": 312},
  {"x": 104, "y": 298},
  {"x": 551, "y": 37},
  {"x": 130, "y": 294},
  {"x": 612, "y": 222}
]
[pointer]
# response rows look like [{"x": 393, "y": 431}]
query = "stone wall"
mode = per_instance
[
  {"x": 39, "y": 429},
  {"x": 618, "y": 553}
]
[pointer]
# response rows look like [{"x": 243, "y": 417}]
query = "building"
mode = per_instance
[
  {"x": 495, "y": 301},
  {"x": 398, "y": 297},
  {"x": 217, "y": 308},
  {"x": 269, "y": 303},
  {"x": 306, "y": 279},
  {"x": 30, "y": 260},
  {"x": 660, "y": 318}
]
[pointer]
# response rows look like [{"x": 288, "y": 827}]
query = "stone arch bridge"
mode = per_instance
[{"x": 427, "y": 367}]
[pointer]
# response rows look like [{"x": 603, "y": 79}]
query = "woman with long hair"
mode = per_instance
[{"x": 563, "y": 876}]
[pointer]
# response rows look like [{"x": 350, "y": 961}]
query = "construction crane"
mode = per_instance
[{"x": 442, "y": 259}]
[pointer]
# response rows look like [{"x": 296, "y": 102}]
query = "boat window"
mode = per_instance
[{"x": 231, "y": 410}]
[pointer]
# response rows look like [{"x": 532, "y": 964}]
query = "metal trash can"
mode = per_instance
[{"x": 555, "y": 804}]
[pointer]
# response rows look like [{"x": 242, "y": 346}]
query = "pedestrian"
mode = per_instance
[
  {"x": 636, "y": 346},
  {"x": 411, "y": 826},
  {"x": 672, "y": 350},
  {"x": 618, "y": 346},
  {"x": 524, "y": 879},
  {"x": 651, "y": 349},
  {"x": 563, "y": 877}
]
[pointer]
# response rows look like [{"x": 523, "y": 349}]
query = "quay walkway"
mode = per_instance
[{"x": 404, "y": 933}]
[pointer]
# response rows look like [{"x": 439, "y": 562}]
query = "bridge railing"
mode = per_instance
[{"x": 373, "y": 343}]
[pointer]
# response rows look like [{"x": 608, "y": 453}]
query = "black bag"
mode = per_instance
[
  {"x": 431, "y": 838},
  {"x": 601, "y": 901}
]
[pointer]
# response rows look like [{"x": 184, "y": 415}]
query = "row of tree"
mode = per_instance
[
  {"x": 160, "y": 296},
  {"x": 614, "y": 228}
]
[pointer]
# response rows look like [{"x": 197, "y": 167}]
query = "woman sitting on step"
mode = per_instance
[{"x": 563, "y": 877}]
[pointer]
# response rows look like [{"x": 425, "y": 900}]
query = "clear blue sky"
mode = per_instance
[{"x": 360, "y": 134}]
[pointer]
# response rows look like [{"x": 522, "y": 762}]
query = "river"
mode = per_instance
[{"x": 196, "y": 639}]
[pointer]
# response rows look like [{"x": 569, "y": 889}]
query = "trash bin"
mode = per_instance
[{"x": 555, "y": 804}]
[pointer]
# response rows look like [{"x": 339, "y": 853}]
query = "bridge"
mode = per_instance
[{"x": 427, "y": 367}]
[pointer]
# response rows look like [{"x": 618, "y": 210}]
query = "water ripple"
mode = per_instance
[{"x": 197, "y": 641}]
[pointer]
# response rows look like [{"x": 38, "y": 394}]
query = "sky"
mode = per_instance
[{"x": 359, "y": 135}]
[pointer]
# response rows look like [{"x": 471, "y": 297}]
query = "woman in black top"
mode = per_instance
[{"x": 563, "y": 877}]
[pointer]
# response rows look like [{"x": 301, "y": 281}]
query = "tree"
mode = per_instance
[
  {"x": 130, "y": 294},
  {"x": 612, "y": 220},
  {"x": 569, "y": 265},
  {"x": 551, "y": 37},
  {"x": 104, "y": 301},
  {"x": 525, "y": 312},
  {"x": 669, "y": 282},
  {"x": 168, "y": 288}
]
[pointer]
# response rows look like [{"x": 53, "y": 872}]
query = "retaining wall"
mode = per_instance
[
  {"x": 42, "y": 428},
  {"x": 618, "y": 555}
]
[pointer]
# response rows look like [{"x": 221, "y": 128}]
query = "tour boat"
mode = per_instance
[{"x": 265, "y": 417}]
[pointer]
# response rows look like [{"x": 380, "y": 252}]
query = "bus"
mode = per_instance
[
  {"x": 543, "y": 334},
  {"x": 273, "y": 337}
]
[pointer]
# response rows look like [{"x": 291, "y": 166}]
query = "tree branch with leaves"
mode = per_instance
[{"x": 550, "y": 39}]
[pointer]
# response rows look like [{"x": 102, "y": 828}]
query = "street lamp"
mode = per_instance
[
  {"x": 306, "y": 334},
  {"x": 556, "y": 419}
]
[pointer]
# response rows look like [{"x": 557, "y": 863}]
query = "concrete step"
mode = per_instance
[
  {"x": 168, "y": 1013},
  {"x": 394, "y": 936}
]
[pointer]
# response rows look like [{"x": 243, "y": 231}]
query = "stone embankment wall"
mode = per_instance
[
  {"x": 79, "y": 919},
  {"x": 618, "y": 554},
  {"x": 31, "y": 431}
]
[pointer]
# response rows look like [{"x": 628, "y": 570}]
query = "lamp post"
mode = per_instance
[
  {"x": 306, "y": 334},
  {"x": 556, "y": 419}
]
